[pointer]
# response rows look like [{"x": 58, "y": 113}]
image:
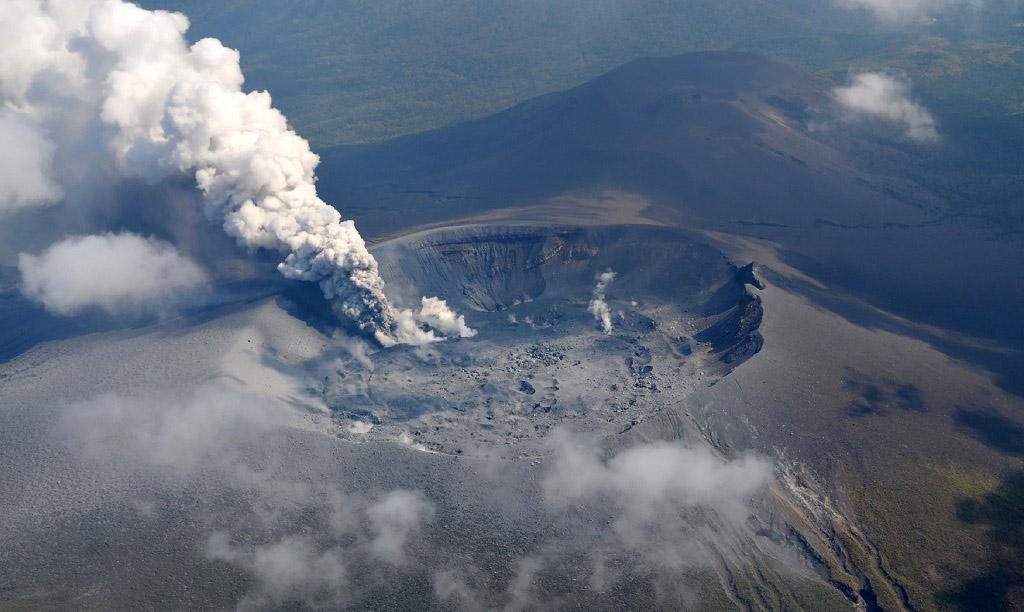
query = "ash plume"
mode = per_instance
[
  {"x": 82, "y": 71},
  {"x": 24, "y": 156}
]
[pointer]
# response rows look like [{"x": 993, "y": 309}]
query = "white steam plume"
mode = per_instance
[
  {"x": 598, "y": 306},
  {"x": 74, "y": 68}
]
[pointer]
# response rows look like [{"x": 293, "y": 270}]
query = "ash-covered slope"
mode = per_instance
[
  {"x": 241, "y": 458},
  {"x": 888, "y": 387}
]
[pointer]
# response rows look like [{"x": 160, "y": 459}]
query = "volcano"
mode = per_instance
[{"x": 755, "y": 325}]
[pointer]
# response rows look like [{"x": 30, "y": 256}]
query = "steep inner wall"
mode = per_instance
[{"x": 493, "y": 268}]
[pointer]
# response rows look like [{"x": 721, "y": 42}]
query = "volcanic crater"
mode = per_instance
[{"x": 682, "y": 317}]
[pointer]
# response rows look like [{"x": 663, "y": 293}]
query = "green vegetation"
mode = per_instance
[
  {"x": 915, "y": 517},
  {"x": 352, "y": 72},
  {"x": 349, "y": 72},
  {"x": 975, "y": 89}
]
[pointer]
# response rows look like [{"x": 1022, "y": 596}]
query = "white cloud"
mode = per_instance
[
  {"x": 642, "y": 477},
  {"x": 651, "y": 489},
  {"x": 26, "y": 159},
  {"x": 522, "y": 586},
  {"x": 672, "y": 508},
  {"x": 902, "y": 11},
  {"x": 310, "y": 566},
  {"x": 463, "y": 588},
  {"x": 393, "y": 520},
  {"x": 171, "y": 433},
  {"x": 881, "y": 97},
  {"x": 310, "y": 529},
  {"x": 115, "y": 273},
  {"x": 293, "y": 567},
  {"x": 452, "y": 589}
]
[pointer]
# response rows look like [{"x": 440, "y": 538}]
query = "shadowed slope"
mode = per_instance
[{"x": 729, "y": 142}]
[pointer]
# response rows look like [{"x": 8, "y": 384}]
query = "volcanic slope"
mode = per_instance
[
  {"x": 727, "y": 142},
  {"x": 130, "y": 452},
  {"x": 748, "y": 319},
  {"x": 893, "y": 379},
  {"x": 173, "y": 465}
]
